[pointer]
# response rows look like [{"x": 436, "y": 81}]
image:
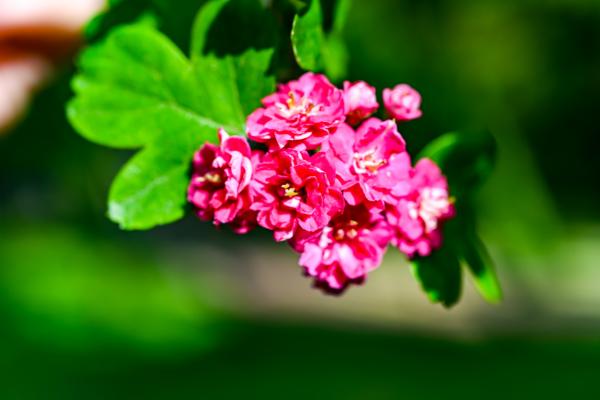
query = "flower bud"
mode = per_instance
[
  {"x": 402, "y": 102},
  {"x": 360, "y": 101}
]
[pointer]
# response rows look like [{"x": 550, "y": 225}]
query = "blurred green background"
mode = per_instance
[{"x": 88, "y": 311}]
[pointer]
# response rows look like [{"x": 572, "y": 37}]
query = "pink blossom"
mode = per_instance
[
  {"x": 402, "y": 102},
  {"x": 293, "y": 191},
  {"x": 371, "y": 164},
  {"x": 300, "y": 115},
  {"x": 219, "y": 189},
  {"x": 360, "y": 101},
  {"x": 417, "y": 218},
  {"x": 346, "y": 250}
]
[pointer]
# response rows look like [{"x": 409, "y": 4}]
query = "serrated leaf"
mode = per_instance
[
  {"x": 439, "y": 275},
  {"x": 137, "y": 90},
  {"x": 134, "y": 92},
  {"x": 478, "y": 261},
  {"x": 316, "y": 49},
  {"x": 467, "y": 159}
]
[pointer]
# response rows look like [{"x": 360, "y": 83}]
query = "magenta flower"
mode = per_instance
[
  {"x": 417, "y": 218},
  {"x": 371, "y": 164},
  {"x": 219, "y": 189},
  {"x": 346, "y": 250},
  {"x": 300, "y": 115},
  {"x": 293, "y": 191},
  {"x": 402, "y": 102},
  {"x": 360, "y": 101},
  {"x": 335, "y": 183}
]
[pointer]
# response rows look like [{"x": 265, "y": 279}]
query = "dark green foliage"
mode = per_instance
[
  {"x": 440, "y": 275},
  {"x": 467, "y": 159}
]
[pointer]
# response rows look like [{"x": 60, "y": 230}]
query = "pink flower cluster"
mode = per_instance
[{"x": 335, "y": 183}]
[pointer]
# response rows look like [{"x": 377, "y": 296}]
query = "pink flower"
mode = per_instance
[
  {"x": 219, "y": 189},
  {"x": 360, "y": 101},
  {"x": 293, "y": 191},
  {"x": 371, "y": 164},
  {"x": 346, "y": 250},
  {"x": 402, "y": 102},
  {"x": 418, "y": 217},
  {"x": 300, "y": 115}
]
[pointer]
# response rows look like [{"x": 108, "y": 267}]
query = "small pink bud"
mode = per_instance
[
  {"x": 360, "y": 101},
  {"x": 402, "y": 102}
]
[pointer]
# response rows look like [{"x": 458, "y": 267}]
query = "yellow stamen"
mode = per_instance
[
  {"x": 289, "y": 191},
  {"x": 213, "y": 178},
  {"x": 291, "y": 101}
]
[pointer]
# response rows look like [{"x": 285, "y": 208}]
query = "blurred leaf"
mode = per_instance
[
  {"x": 478, "y": 261},
  {"x": 175, "y": 22},
  {"x": 118, "y": 12},
  {"x": 339, "y": 14},
  {"x": 439, "y": 275},
  {"x": 315, "y": 48},
  {"x": 136, "y": 89},
  {"x": 176, "y": 19},
  {"x": 335, "y": 57},
  {"x": 335, "y": 53},
  {"x": 467, "y": 159}
]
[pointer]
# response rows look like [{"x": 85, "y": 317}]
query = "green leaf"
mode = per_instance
[
  {"x": 235, "y": 64},
  {"x": 307, "y": 37},
  {"x": 335, "y": 57},
  {"x": 315, "y": 48},
  {"x": 439, "y": 275},
  {"x": 467, "y": 159},
  {"x": 335, "y": 53},
  {"x": 149, "y": 190},
  {"x": 477, "y": 259},
  {"x": 137, "y": 90}
]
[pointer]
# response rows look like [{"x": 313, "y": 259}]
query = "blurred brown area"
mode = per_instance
[{"x": 35, "y": 36}]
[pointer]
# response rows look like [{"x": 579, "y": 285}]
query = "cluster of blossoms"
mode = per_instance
[{"x": 335, "y": 183}]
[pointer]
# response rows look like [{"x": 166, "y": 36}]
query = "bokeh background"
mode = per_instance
[{"x": 88, "y": 311}]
